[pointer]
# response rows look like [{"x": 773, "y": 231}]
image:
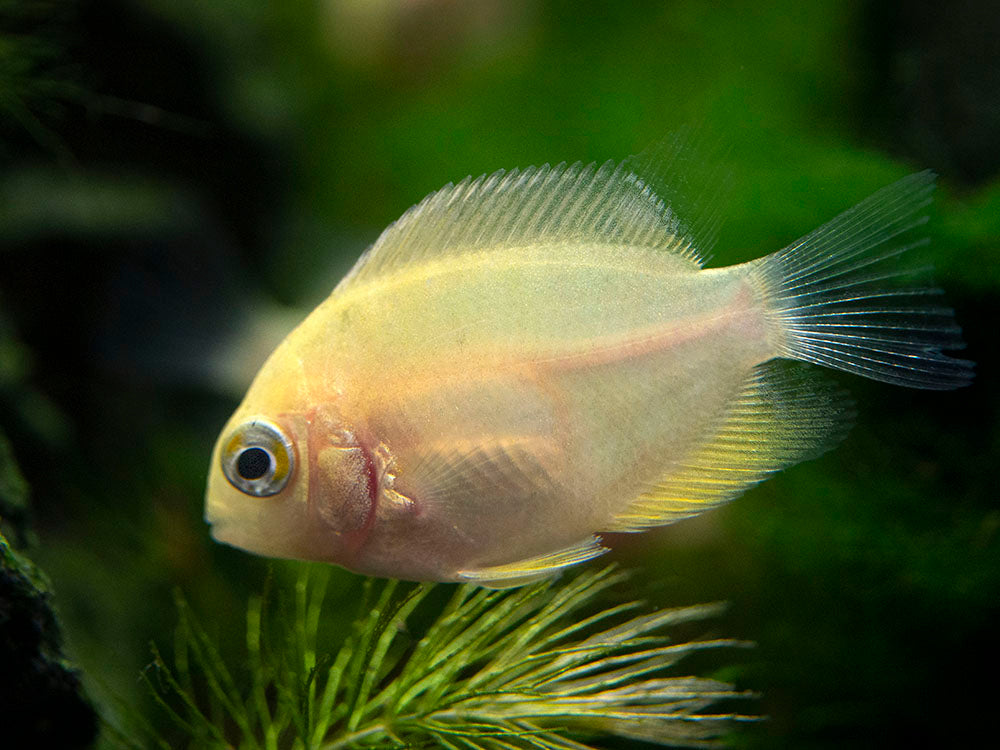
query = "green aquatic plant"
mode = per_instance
[{"x": 541, "y": 666}]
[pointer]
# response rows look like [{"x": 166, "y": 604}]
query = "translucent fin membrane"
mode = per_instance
[
  {"x": 784, "y": 414},
  {"x": 524, "y": 571},
  {"x": 598, "y": 204},
  {"x": 838, "y": 299}
]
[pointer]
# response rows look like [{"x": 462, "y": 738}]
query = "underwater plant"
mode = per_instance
[{"x": 536, "y": 667}]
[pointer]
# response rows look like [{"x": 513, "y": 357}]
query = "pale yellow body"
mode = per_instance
[{"x": 481, "y": 413}]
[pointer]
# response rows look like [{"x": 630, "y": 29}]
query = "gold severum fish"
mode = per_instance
[{"x": 527, "y": 359}]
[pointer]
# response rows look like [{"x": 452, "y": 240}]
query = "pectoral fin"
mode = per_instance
[
  {"x": 459, "y": 471},
  {"x": 469, "y": 480}
]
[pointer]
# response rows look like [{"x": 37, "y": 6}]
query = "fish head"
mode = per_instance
[
  {"x": 292, "y": 484},
  {"x": 256, "y": 498}
]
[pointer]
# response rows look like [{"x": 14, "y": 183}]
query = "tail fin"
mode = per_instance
[{"x": 835, "y": 297}]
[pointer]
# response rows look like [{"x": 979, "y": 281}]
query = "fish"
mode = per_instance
[{"x": 529, "y": 360}]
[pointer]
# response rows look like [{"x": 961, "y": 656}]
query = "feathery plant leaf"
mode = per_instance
[{"x": 540, "y": 667}]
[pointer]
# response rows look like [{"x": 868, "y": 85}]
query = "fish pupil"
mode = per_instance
[{"x": 253, "y": 463}]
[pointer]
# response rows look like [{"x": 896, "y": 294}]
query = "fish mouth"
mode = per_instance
[
  {"x": 216, "y": 529},
  {"x": 228, "y": 534}
]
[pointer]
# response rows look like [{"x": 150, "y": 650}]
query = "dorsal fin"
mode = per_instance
[
  {"x": 784, "y": 414},
  {"x": 607, "y": 204}
]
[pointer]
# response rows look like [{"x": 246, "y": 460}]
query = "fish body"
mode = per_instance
[{"x": 526, "y": 360}]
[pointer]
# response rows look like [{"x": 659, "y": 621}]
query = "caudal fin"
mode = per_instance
[{"x": 838, "y": 297}]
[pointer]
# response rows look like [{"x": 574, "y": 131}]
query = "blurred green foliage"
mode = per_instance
[
  {"x": 174, "y": 171},
  {"x": 548, "y": 666}
]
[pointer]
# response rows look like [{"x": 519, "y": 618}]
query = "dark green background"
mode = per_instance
[{"x": 175, "y": 171}]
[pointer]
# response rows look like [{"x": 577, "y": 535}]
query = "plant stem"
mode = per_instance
[{"x": 348, "y": 739}]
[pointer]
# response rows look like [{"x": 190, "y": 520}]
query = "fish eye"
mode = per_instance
[
  {"x": 257, "y": 458},
  {"x": 253, "y": 463}
]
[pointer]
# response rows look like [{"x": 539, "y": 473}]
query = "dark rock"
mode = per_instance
[{"x": 41, "y": 698}]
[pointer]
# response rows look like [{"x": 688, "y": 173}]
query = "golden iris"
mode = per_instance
[{"x": 258, "y": 458}]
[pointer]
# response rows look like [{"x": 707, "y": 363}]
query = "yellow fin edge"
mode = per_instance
[
  {"x": 533, "y": 568},
  {"x": 783, "y": 414}
]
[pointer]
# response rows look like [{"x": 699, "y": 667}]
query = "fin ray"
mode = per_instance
[
  {"x": 826, "y": 293},
  {"x": 609, "y": 204},
  {"x": 533, "y": 568},
  {"x": 784, "y": 414},
  {"x": 452, "y": 471}
]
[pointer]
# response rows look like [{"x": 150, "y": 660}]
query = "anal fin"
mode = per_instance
[
  {"x": 533, "y": 568},
  {"x": 784, "y": 414}
]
